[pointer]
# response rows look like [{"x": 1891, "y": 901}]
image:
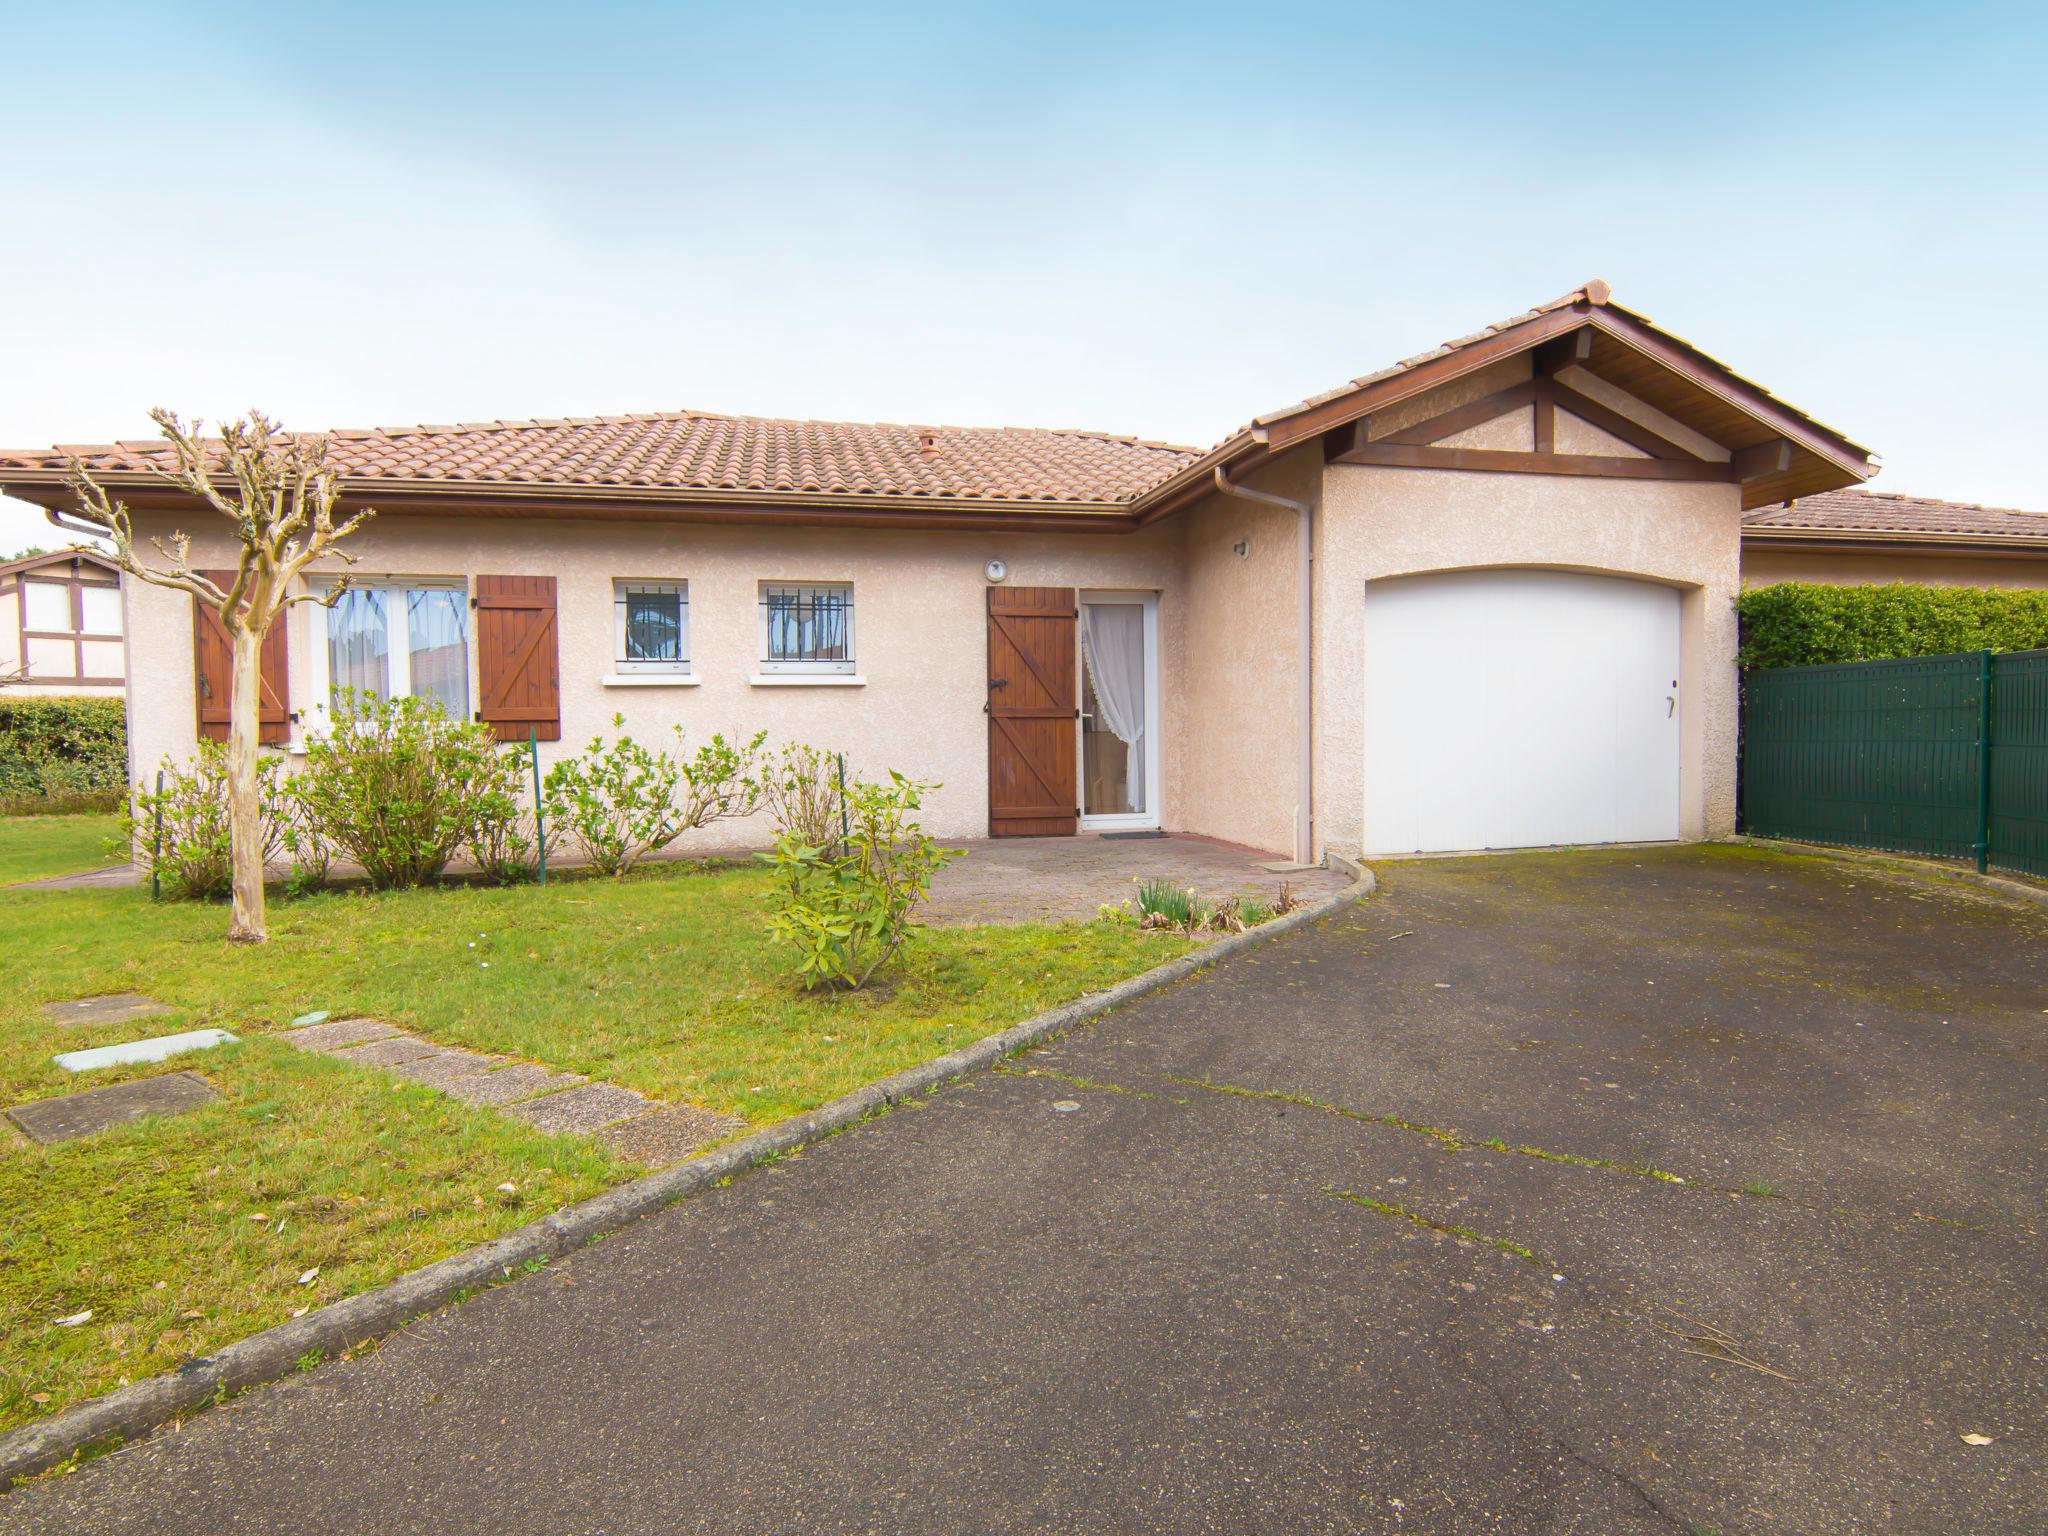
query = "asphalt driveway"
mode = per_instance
[{"x": 1379, "y": 1228}]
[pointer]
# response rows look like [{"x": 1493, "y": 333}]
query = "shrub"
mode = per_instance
[
  {"x": 619, "y": 803},
  {"x": 396, "y": 786},
  {"x": 846, "y": 910},
  {"x": 62, "y": 753},
  {"x": 190, "y": 815},
  {"x": 1794, "y": 623},
  {"x": 799, "y": 785}
]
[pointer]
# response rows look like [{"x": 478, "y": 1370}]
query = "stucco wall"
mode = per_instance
[
  {"x": 1383, "y": 522},
  {"x": 1243, "y": 692},
  {"x": 1762, "y": 566},
  {"x": 920, "y": 638}
]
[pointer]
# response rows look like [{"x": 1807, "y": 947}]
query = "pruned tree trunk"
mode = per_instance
[{"x": 245, "y": 810}]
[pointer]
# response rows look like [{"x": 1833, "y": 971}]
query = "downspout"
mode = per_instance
[{"x": 1304, "y": 813}]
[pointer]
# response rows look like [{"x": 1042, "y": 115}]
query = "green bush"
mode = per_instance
[
  {"x": 179, "y": 834},
  {"x": 847, "y": 909},
  {"x": 64, "y": 753},
  {"x": 399, "y": 787},
  {"x": 1796, "y": 623},
  {"x": 621, "y": 802}
]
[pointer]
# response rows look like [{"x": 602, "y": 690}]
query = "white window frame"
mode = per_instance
[
  {"x": 1147, "y": 819},
  {"x": 770, "y": 670},
  {"x": 624, "y": 586},
  {"x": 316, "y": 716}
]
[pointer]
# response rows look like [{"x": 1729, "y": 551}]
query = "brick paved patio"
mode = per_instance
[{"x": 1041, "y": 879}]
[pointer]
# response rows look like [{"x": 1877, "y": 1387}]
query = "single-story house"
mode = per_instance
[
  {"x": 1481, "y": 598},
  {"x": 1855, "y": 537},
  {"x": 60, "y": 625}
]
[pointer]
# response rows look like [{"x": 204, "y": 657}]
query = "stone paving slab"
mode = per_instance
[
  {"x": 98, "y": 1109},
  {"x": 444, "y": 1067},
  {"x": 506, "y": 1085},
  {"x": 669, "y": 1134},
  {"x": 342, "y": 1033},
  {"x": 392, "y": 1052},
  {"x": 579, "y": 1109},
  {"x": 112, "y": 1008},
  {"x": 131, "y": 1053}
]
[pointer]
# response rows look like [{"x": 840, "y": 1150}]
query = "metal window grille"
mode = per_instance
[
  {"x": 807, "y": 626},
  {"x": 651, "y": 625}
]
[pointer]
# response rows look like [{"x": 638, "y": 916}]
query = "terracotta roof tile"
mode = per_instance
[
  {"x": 1881, "y": 512},
  {"x": 700, "y": 451}
]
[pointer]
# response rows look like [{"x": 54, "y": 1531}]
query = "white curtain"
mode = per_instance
[{"x": 1113, "y": 640}]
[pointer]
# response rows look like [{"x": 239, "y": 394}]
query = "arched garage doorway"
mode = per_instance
[{"x": 1520, "y": 708}]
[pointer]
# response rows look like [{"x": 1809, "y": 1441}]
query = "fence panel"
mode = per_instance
[
  {"x": 2019, "y": 762},
  {"x": 1878, "y": 754}
]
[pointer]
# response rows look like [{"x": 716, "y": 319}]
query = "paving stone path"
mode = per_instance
[{"x": 638, "y": 1128}]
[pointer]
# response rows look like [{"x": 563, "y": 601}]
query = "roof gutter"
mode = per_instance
[
  {"x": 69, "y": 525},
  {"x": 1304, "y": 801}
]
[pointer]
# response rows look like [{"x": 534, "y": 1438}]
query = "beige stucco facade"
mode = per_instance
[
  {"x": 1227, "y": 578},
  {"x": 1763, "y": 565}
]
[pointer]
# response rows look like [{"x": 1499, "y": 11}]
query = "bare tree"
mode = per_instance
[{"x": 275, "y": 488}]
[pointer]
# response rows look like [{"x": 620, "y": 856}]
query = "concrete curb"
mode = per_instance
[
  {"x": 2025, "y": 889},
  {"x": 127, "y": 1413}
]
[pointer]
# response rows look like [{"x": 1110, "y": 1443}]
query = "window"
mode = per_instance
[
  {"x": 397, "y": 637},
  {"x": 806, "y": 626},
  {"x": 651, "y": 626}
]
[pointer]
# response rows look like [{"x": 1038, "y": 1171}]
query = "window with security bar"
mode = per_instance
[
  {"x": 806, "y": 626},
  {"x": 651, "y": 626}
]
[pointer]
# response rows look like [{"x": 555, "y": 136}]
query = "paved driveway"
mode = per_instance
[{"x": 1262, "y": 1280}]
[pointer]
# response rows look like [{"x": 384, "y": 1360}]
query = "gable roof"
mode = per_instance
[
  {"x": 741, "y": 467},
  {"x": 1880, "y": 517},
  {"x": 59, "y": 557}
]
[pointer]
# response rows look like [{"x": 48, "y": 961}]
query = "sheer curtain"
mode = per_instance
[
  {"x": 438, "y": 629},
  {"x": 357, "y": 637},
  {"x": 1113, "y": 641}
]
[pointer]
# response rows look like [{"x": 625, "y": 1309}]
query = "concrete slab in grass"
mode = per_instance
[
  {"x": 391, "y": 1052},
  {"x": 579, "y": 1109},
  {"x": 99, "y": 1109},
  {"x": 444, "y": 1068},
  {"x": 341, "y": 1034},
  {"x": 508, "y": 1085},
  {"x": 659, "y": 1137},
  {"x": 131, "y": 1053},
  {"x": 112, "y": 1008}
]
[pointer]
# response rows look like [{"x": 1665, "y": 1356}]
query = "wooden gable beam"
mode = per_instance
[
  {"x": 1408, "y": 456},
  {"x": 1565, "y": 352},
  {"x": 1614, "y": 424},
  {"x": 1761, "y": 459},
  {"x": 1473, "y": 414}
]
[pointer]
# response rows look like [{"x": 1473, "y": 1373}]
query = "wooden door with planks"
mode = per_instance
[{"x": 1033, "y": 711}]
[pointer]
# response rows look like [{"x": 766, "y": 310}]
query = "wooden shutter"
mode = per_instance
[
  {"x": 1033, "y": 712},
  {"x": 518, "y": 676},
  {"x": 213, "y": 665}
]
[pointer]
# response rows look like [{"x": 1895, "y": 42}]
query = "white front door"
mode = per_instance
[
  {"x": 1518, "y": 709},
  {"x": 1118, "y": 655}
]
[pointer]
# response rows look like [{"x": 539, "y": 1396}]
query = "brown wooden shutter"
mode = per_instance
[
  {"x": 1033, "y": 711},
  {"x": 518, "y": 675},
  {"x": 213, "y": 658}
]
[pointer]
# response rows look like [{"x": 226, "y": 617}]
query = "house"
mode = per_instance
[
  {"x": 60, "y": 625},
  {"x": 1853, "y": 537},
  {"x": 1482, "y": 598}
]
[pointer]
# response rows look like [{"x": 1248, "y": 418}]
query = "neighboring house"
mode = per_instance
[
  {"x": 60, "y": 625},
  {"x": 1481, "y": 598},
  {"x": 1847, "y": 538}
]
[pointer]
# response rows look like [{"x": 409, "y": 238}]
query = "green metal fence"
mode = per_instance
[{"x": 1942, "y": 755}]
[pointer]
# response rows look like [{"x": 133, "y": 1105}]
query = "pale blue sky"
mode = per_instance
[{"x": 1156, "y": 219}]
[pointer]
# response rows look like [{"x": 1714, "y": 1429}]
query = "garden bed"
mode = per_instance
[{"x": 664, "y": 982}]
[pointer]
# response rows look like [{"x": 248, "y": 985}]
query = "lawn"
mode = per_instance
[
  {"x": 32, "y": 847},
  {"x": 663, "y": 981}
]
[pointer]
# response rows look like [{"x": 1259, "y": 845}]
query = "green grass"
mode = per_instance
[
  {"x": 663, "y": 981},
  {"x": 32, "y": 847}
]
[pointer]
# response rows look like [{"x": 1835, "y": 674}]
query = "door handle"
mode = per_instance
[{"x": 1671, "y": 706}]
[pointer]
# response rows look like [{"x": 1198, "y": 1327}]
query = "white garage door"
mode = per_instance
[{"x": 1517, "y": 709}]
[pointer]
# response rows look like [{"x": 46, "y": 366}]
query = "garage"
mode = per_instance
[{"x": 1520, "y": 709}]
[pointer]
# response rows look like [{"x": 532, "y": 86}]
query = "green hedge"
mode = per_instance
[
  {"x": 62, "y": 753},
  {"x": 1797, "y": 623}
]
